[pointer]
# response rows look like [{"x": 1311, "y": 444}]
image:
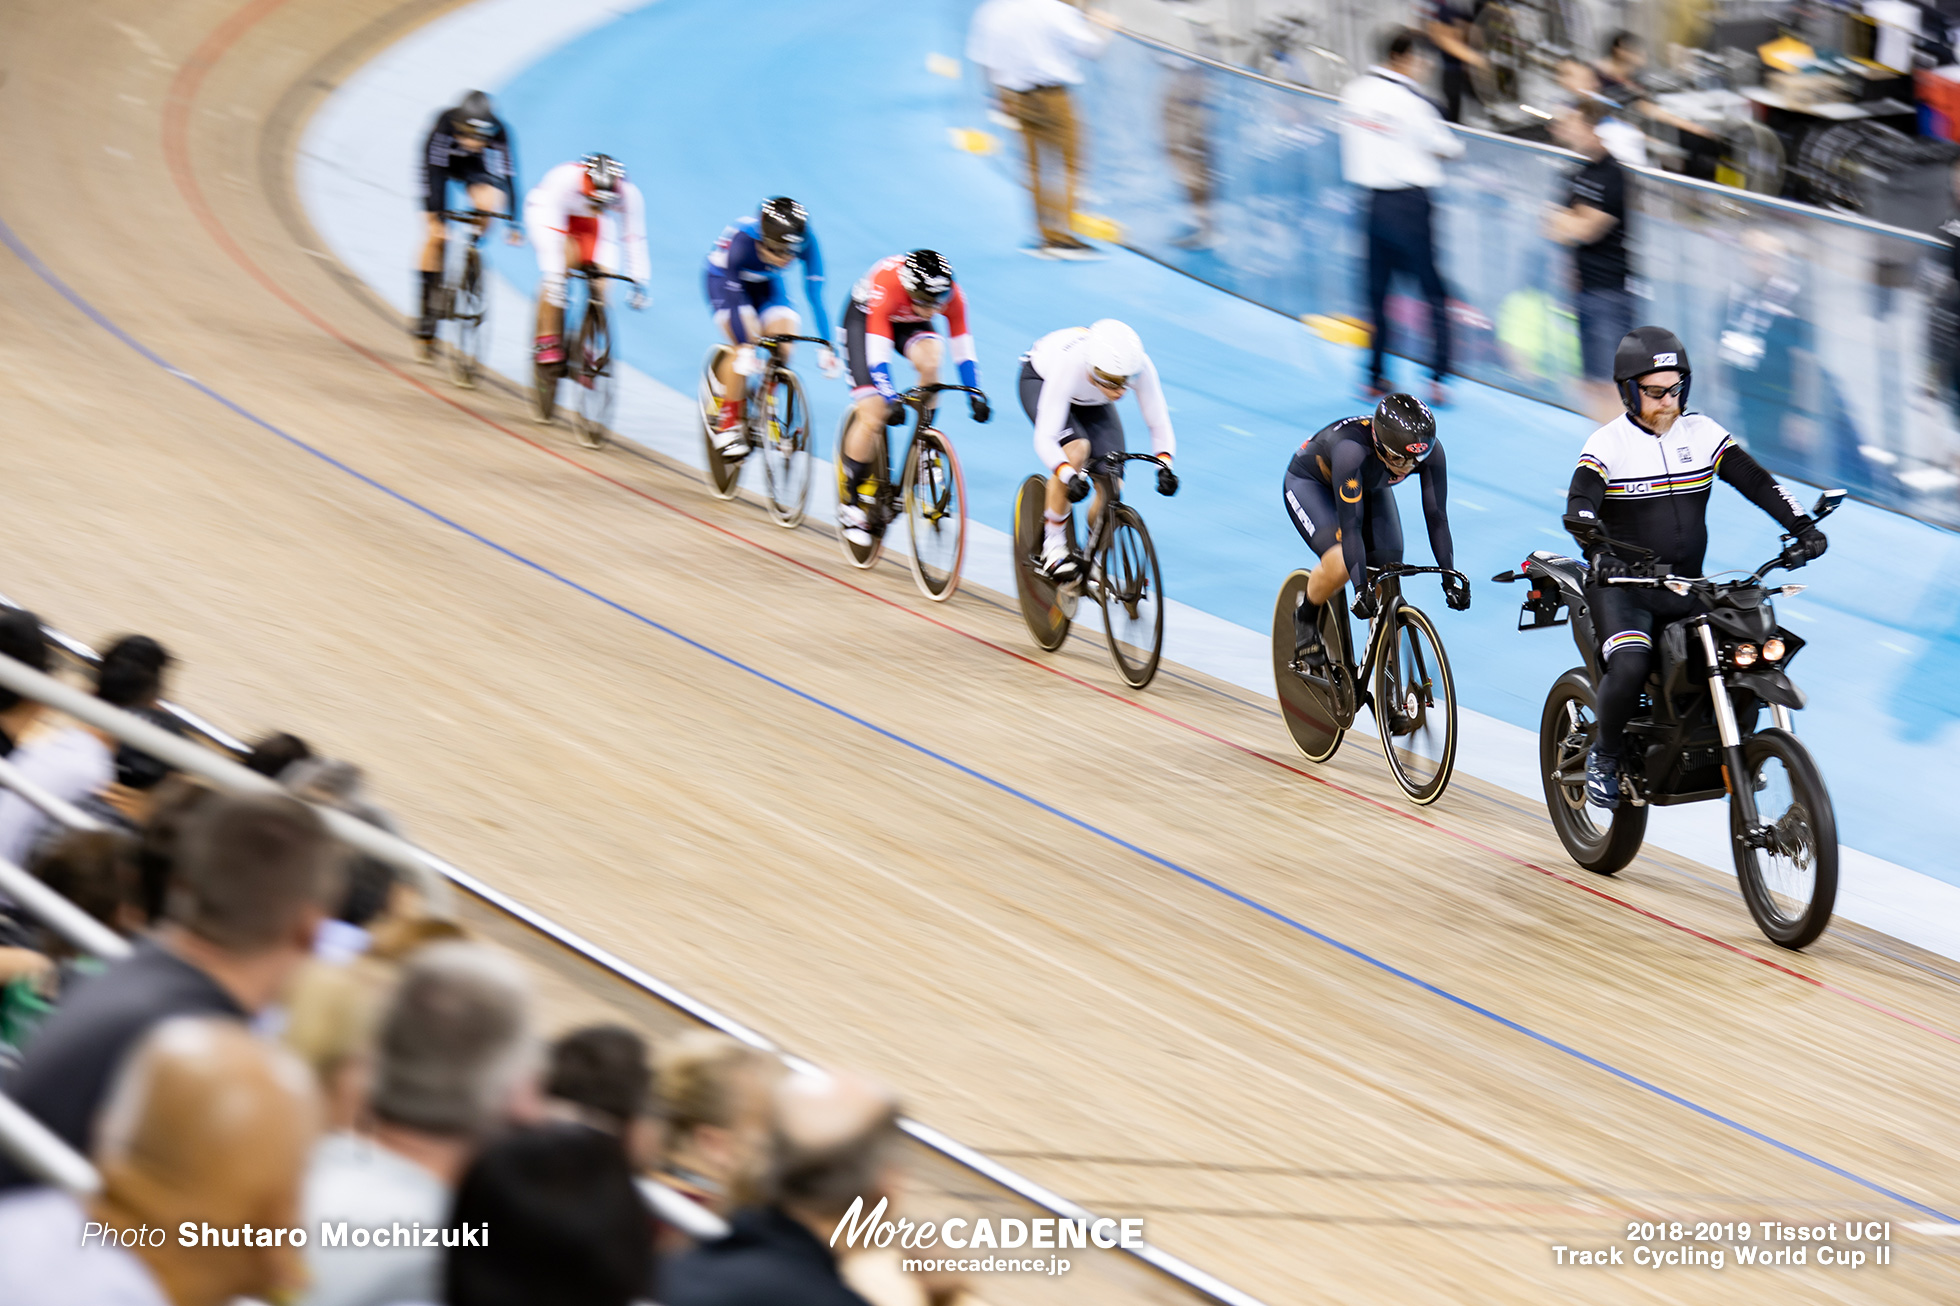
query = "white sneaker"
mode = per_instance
[
  {"x": 732, "y": 443},
  {"x": 855, "y": 525},
  {"x": 1057, "y": 563}
]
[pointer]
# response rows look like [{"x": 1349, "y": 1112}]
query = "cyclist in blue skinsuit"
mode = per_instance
[{"x": 744, "y": 279}]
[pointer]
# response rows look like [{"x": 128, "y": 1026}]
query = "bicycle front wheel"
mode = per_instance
[
  {"x": 1415, "y": 707},
  {"x": 468, "y": 310},
  {"x": 1790, "y": 886},
  {"x": 935, "y": 515},
  {"x": 1309, "y": 698},
  {"x": 786, "y": 448},
  {"x": 723, "y": 473},
  {"x": 592, "y": 369},
  {"x": 1045, "y": 606},
  {"x": 1132, "y": 597}
]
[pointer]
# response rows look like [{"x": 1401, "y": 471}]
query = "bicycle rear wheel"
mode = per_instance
[
  {"x": 1415, "y": 707},
  {"x": 1309, "y": 703},
  {"x": 935, "y": 515},
  {"x": 861, "y": 556},
  {"x": 1132, "y": 595},
  {"x": 1790, "y": 886},
  {"x": 1045, "y": 606},
  {"x": 544, "y": 388},
  {"x": 592, "y": 369},
  {"x": 468, "y": 308},
  {"x": 786, "y": 448},
  {"x": 724, "y": 474}
]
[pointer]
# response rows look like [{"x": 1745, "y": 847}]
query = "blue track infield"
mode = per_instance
[{"x": 833, "y": 103}]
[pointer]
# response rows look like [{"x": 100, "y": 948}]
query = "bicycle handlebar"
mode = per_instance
[
  {"x": 773, "y": 342},
  {"x": 918, "y": 394},
  {"x": 1397, "y": 570},
  {"x": 471, "y": 215},
  {"x": 1111, "y": 464},
  {"x": 592, "y": 273}
]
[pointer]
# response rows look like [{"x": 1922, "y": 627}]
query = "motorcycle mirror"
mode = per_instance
[{"x": 1827, "y": 503}]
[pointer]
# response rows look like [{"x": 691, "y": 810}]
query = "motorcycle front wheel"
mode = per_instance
[{"x": 1791, "y": 885}]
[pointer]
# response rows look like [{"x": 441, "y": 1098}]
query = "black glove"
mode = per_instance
[
  {"x": 894, "y": 412},
  {"x": 1166, "y": 482},
  {"x": 1365, "y": 606},
  {"x": 1456, "y": 593},
  {"x": 1605, "y": 566},
  {"x": 1810, "y": 540},
  {"x": 982, "y": 411},
  {"x": 1078, "y": 487}
]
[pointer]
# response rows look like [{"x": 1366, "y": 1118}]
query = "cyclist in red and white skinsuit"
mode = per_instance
[
  {"x": 891, "y": 311},
  {"x": 580, "y": 213}
]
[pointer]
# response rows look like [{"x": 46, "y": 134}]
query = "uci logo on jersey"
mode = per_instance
[{"x": 1667, "y": 360}]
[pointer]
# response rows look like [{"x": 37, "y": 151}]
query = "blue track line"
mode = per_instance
[{"x": 88, "y": 310}]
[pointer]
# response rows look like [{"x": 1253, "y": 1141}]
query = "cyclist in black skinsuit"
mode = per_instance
[
  {"x": 471, "y": 146},
  {"x": 1338, "y": 496},
  {"x": 1645, "y": 479}
]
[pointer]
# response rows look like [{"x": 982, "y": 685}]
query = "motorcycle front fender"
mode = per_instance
[{"x": 1770, "y": 686}]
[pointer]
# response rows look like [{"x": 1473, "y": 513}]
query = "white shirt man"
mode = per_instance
[
  {"x": 1392, "y": 137},
  {"x": 1024, "y": 44},
  {"x": 70, "y": 765}
]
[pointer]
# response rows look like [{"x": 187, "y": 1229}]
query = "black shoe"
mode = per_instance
[
  {"x": 425, "y": 329},
  {"x": 1309, "y": 652}
]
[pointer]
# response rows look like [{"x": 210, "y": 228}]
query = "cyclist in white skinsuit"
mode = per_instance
[
  {"x": 1070, "y": 382},
  {"x": 583, "y": 212}
]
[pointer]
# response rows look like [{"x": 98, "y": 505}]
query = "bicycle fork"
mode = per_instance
[{"x": 1742, "y": 795}]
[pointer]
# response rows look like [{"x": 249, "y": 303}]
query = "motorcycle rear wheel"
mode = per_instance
[{"x": 1599, "y": 840}]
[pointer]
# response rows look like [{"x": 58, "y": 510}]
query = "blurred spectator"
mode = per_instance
[
  {"x": 1033, "y": 52},
  {"x": 273, "y": 754},
  {"x": 205, "y": 1125},
  {"x": 1447, "y": 25},
  {"x": 1619, "y": 83},
  {"x": 601, "y": 1076},
  {"x": 171, "y": 807},
  {"x": 331, "y": 1015},
  {"x": 454, "y": 1061},
  {"x": 833, "y": 1139},
  {"x": 571, "y": 1229},
  {"x": 97, "y": 871},
  {"x": 80, "y": 762},
  {"x": 715, "y": 1092},
  {"x": 1593, "y": 221},
  {"x": 22, "y": 640},
  {"x": 1393, "y": 143},
  {"x": 253, "y": 875}
]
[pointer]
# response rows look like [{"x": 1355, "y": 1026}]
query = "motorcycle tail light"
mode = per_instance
[
  {"x": 1746, "y": 656},
  {"x": 1772, "y": 650}
]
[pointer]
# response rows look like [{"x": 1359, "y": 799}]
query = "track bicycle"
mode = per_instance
[
  {"x": 775, "y": 422},
  {"x": 588, "y": 361},
  {"x": 1122, "y": 574},
  {"x": 930, "y": 493},
  {"x": 463, "y": 300},
  {"x": 1413, "y": 698}
]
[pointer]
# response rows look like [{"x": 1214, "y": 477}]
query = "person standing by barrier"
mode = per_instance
[
  {"x": 1033, "y": 52},
  {"x": 1447, "y": 24},
  {"x": 1593, "y": 221},
  {"x": 1393, "y": 142}
]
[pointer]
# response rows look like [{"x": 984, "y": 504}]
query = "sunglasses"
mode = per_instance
[
  {"x": 1117, "y": 383},
  {"x": 1663, "y": 391},
  {"x": 1398, "y": 461}
]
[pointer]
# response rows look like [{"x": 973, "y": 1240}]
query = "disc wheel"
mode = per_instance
[
  {"x": 786, "y": 449},
  {"x": 1415, "y": 706},
  {"x": 468, "y": 309},
  {"x": 598, "y": 384},
  {"x": 724, "y": 474},
  {"x": 1045, "y": 606},
  {"x": 1310, "y": 703},
  {"x": 862, "y": 556},
  {"x": 1602, "y": 841},
  {"x": 1790, "y": 886},
  {"x": 1132, "y": 595},
  {"x": 935, "y": 515}
]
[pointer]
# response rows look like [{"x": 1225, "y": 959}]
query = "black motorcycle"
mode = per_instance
[{"x": 1695, "y": 729}]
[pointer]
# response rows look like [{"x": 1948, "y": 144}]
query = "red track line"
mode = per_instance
[{"x": 176, "y": 115}]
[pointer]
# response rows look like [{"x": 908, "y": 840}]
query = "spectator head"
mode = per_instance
[
  {"x": 1577, "y": 78},
  {"x": 714, "y": 1092},
  {"x": 370, "y": 883},
  {"x": 97, "y": 871},
  {"x": 207, "y": 1124},
  {"x": 254, "y": 873},
  {"x": 455, "y": 1057},
  {"x": 331, "y": 1015},
  {"x": 1577, "y": 129},
  {"x": 171, "y": 806},
  {"x": 1625, "y": 50},
  {"x": 601, "y": 1075},
  {"x": 131, "y": 673},
  {"x": 571, "y": 1228},
  {"x": 274, "y": 753},
  {"x": 834, "y": 1138},
  {"x": 21, "y": 639},
  {"x": 1402, "y": 50}
]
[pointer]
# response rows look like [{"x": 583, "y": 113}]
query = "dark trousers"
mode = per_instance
[{"x": 1401, "y": 239}]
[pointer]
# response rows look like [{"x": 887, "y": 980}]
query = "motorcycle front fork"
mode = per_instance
[{"x": 1742, "y": 794}]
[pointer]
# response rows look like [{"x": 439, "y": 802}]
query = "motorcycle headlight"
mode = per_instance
[
  {"x": 1773, "y": 650},
  {"x": 1746, "y": 656}
]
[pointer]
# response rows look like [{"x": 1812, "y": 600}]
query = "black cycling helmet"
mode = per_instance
[
  {"x": 927, "y": 277},
  {"x": 1404, "y": 429},
  {"x": 475, "y": 115},
  {"x": 783, "y": 223},
  {"x": 1649, "y": 349}
]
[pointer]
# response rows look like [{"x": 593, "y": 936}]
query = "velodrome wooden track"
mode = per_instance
[{"x": 882, "y": 888}]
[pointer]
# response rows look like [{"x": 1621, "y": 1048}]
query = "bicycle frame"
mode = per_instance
[
  {"x": 1107, "y": 472},
  {"x": 1387, "y": 584}
]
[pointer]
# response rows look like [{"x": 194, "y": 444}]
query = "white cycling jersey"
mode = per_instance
[
  {"x": 1061, "y": 360},
  {"x": 558, "y": 198}
]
